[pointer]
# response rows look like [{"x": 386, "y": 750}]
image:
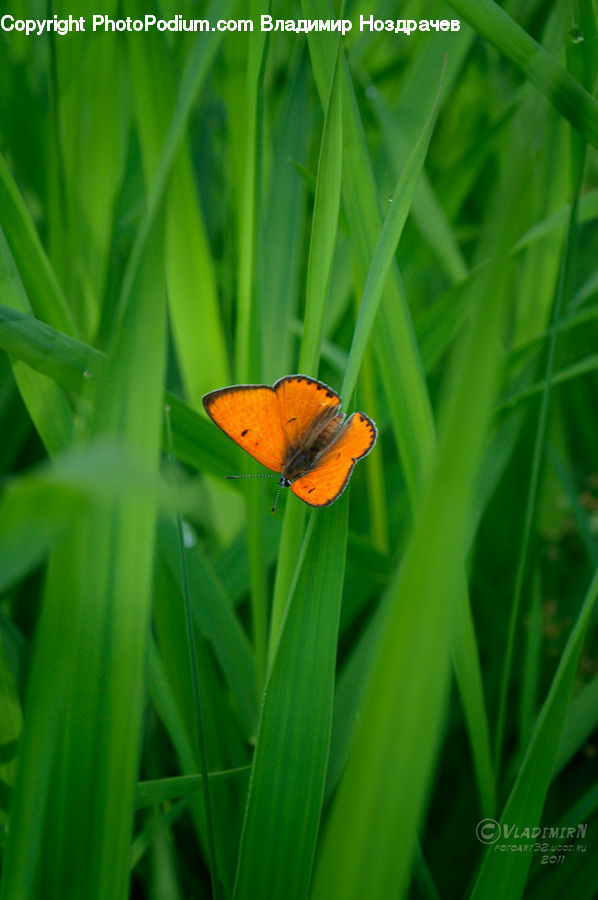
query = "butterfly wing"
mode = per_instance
[
  {"x": 250, "y": 415},
  {"x": 328, "y": 479},
  {"x": 303, "y": 402}
]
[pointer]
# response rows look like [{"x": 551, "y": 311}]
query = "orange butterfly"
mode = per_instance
[{"x": 295, "y": 428}]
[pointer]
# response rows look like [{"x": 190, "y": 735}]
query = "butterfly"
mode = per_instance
[{"x": 295, "y": 428}]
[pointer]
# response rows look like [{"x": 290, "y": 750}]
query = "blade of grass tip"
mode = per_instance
[
  {"x": 386, "y": 248},
  {"x": 199, "y": 718},
  {"x": 532, "y": 494},
  {"x": 567, "y": 95},
  {"x": 319, "y": 266},
  {"x": 504, "y": 875}
]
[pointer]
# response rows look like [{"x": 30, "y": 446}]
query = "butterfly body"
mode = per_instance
[{"x": 295, "y": 428}]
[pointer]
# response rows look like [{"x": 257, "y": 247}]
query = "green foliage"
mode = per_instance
[{"x": 198, "y": 698}]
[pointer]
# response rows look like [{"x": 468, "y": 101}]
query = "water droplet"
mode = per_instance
[
  {"x": 390, "y": 199},
  {"x": 167, "y": 407},
  {"x": 87, "y": 374},
  {"x": 371, "y": 92},
  {"x": 189, "y": 535},
  {"x": 576, "y": 34}
]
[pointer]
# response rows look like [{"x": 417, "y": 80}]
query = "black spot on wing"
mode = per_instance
[{"x": 243, "y": 433}]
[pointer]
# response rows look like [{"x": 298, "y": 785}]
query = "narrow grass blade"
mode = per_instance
[
  {"x": 192, "y": 296},
  {"x": 86, "y": 155},
  {"x": 505, "y": 875},
  {"x": 319, "y": 266},
  {"x": 392, "y": 759},
  {"x": 31, "y": 261},
  {"x": 196, "y": 68},
  {"x": 213, "y": 611},
  {"x": 324, "y": 226},
  {"x": 284, "y": 223},
  {"x": 581, "y": 722},
  {"x": 45, "y": 401},
  {"x": 567, "y": 95},
  {"x": 396, "y": 354},
  {"x": 532, "y": 492},
  {"x": 66, "y": 360},
  {"x": 289, "y": 767},
  {"x": 162, "y": 789},
  {"x": 384, "y": 253}
]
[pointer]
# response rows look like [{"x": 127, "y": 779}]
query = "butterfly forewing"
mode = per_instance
[
  {"x": 250, "y": 415},
  {"x": 304, "y": 404},
  {"x": 328, "y": 478}
]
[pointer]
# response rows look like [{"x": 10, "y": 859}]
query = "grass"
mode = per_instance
[{"x": 199, "y": 698}]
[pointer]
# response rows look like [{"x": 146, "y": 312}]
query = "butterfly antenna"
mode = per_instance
[
  {"x": 276, "y": 498},
  {"x": 250, "y": 476}
]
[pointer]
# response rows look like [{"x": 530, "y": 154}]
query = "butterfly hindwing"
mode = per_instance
[
  {"x": 303, "y": 402},
  {"x": 250, "y": 415},
  {"x": 328, "y": 478}
]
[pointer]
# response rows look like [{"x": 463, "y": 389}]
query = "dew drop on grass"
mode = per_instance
[
  {"x": 189, "y": 535},
  {"x": 576, "y": 34},
  {"x": 87, "y": 374}
]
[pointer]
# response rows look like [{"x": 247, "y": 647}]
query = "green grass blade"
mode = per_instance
[
  {"x": 71, "y": 363},
  {"x": 397, "y": 355},
  {"x": 393, "y": 753},
  {"x": 567, "y": 95},
  {"x": 212, "y": 609},
  {"x": 580, "y": 723},
  {"x": 505, "y": 875},
  {"x": 383, "y": 257},
  {"x": 162, "y": 789},
  {"x": 324, "y": 226},
  {"x": 45, "y": 402},
  {"x": 289, "y": 767},
  {"x": 30, "y": 258},
  {"x": 319, "y": 266},
  {"x": 192, "y": 296},
  {"x": 532, "y": 492},
  {"x": 97, "y": 599}
]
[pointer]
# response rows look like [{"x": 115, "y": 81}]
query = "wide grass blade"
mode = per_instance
[{"x": 96, "y": 609}]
